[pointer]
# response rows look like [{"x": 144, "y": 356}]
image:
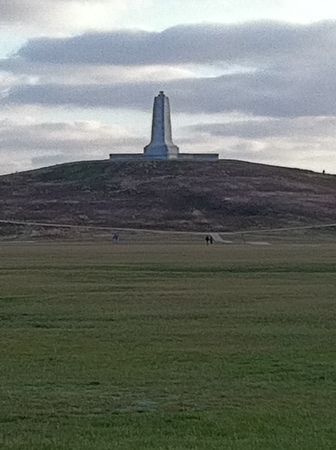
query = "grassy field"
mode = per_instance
[{"x": 167, "y": 347}]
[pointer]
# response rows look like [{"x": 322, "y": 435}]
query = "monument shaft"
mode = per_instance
[{"x": 161, "y": 145}]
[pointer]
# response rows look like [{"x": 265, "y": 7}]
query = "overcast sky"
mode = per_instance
[{"x": 249, "y": 80}]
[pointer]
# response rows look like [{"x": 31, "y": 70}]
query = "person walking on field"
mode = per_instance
[{"x": 207, "y": 239}]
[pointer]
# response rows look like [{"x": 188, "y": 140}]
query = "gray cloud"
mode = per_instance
[
  {"x": 50, "y": 16},
  {"x": 315, "y": 151},
  {"x": 301, "y": 142},
  {"x": 27, "y": 145},
  {"x": 279, "y": 77},
  {"x": 114, "y": 96},
  {"x": 302, "y": 128},
  {"x": 269, "y": 69},
  {"x": 25, "y": 10},
  {"x": 260, "y": 93},
  {"x": 34, "y": 13},
  {"x": 71, "y": 137},
  {"x": 256, "y": 42}
]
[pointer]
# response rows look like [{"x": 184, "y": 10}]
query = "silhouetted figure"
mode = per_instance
[
  {"x": 207, "y": 239},
  {"x": 211, "y": 240},
  {"x": 116, "y": 238},
  {"x": 323, "y": 172}
]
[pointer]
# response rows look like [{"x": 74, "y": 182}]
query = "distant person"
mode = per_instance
[
  {"x": 207, "y": 239},
  {"x": 116, "y": 238},
  {"x": 211, "y": 239}
]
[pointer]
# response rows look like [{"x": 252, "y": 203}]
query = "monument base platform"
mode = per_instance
[{"x": 115, "y": 157}]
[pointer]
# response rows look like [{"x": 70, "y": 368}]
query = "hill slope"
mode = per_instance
[{"x": 182, "y": 195}]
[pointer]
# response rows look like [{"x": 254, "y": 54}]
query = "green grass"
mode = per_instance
[{"x": 167, "y": 347}]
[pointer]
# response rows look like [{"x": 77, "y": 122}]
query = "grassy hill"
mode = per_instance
[{"x": 178, "y": 195}]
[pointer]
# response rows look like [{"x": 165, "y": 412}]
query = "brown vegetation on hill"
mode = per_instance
[{"x": 181, "y": 195}]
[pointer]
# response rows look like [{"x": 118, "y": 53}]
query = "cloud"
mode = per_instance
[
  {"x": 13, "y": 11},
  {"x": 302, "y": 128},
  {"x": 252, "y": 42},
  {"x": 48, "y": 16},
  {"x": 303, "y": 143},
  {"x": 30, "y": 136},
  {"x": 260, "y": 94},
  {"x": 266, "y": 69},
  {"x": 8, "y": 80},
  {"x": 71, "y": 74},
  {"x": 271, "y": 83},
  {"x": 29, "y": 144}
]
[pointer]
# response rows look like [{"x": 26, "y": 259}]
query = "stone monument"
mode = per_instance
[{"x": 161, "y": 145}]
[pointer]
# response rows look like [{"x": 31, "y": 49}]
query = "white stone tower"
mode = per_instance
[{"x": 161, "y": 145}]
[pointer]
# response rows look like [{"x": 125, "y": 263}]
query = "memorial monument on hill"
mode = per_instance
[{"x": 161, "y": 146}]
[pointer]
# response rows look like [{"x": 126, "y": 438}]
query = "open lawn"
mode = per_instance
[{"x": 167, "y": 347}]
